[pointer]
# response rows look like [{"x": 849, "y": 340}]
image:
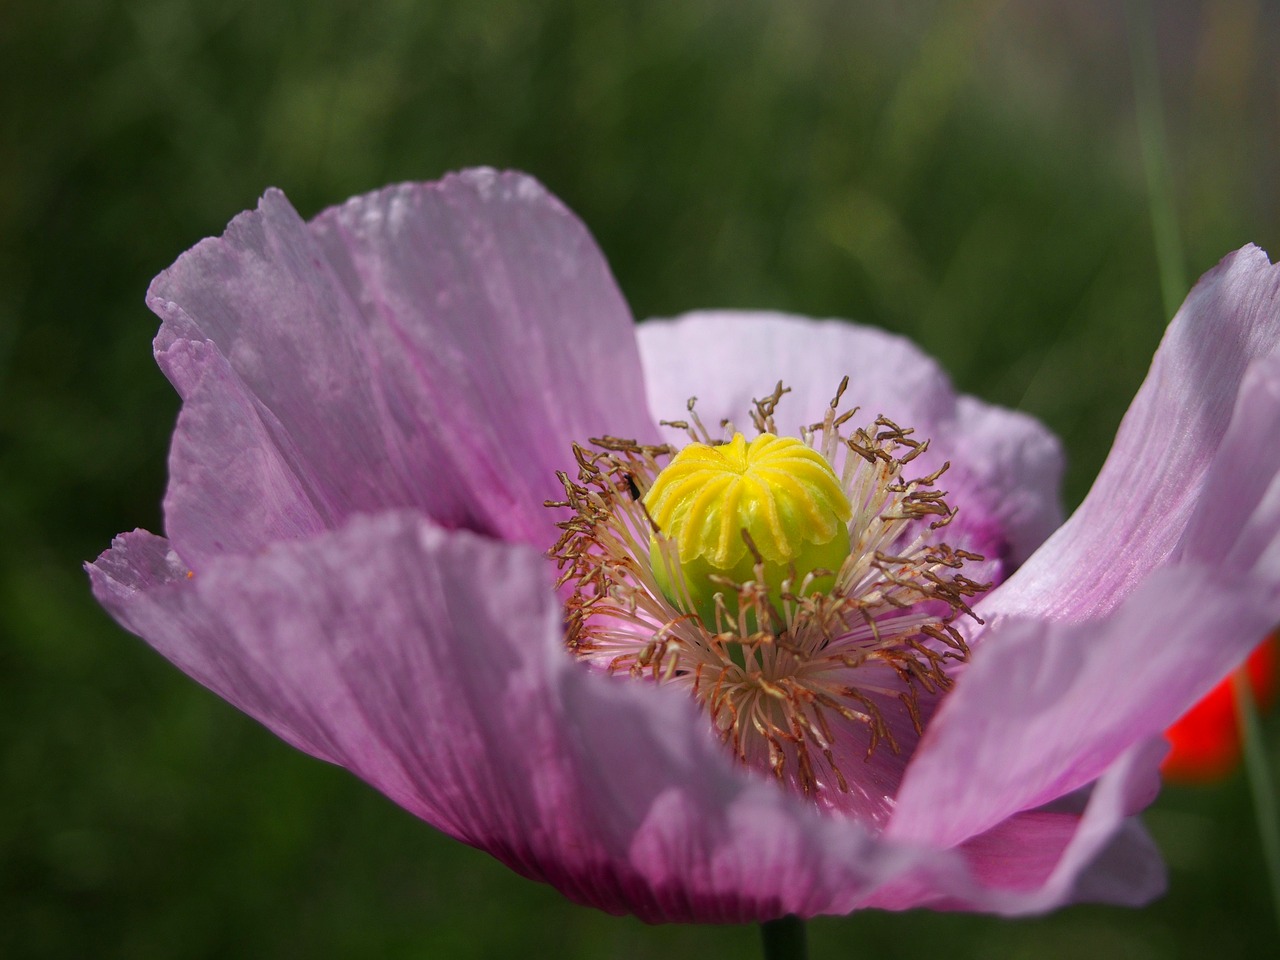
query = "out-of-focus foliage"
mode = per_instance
[{"x": 965, "y": 173}]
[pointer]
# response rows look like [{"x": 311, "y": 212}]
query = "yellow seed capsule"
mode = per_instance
[{"x": 782, "y": 493}]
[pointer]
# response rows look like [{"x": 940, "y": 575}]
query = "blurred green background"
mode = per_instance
[{"x": 966, "y": 173}]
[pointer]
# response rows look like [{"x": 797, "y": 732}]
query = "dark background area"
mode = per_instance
[{"x": 968, "y": 174}]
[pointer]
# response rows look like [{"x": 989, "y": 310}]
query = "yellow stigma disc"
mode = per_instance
[{"x": 782, "y": 493}]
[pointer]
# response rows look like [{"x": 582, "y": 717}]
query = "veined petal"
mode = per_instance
[
  {"x": 1005, "y": 466},
  {"x": 253, "y": 496},
  {"x": 1236, "y": 524},
  {"x": 1154, "y": 481},
  {"x": 1046, "y": 707},
  {"x": 398, "y": 351},
  {"x": 1086, "y": 848},
  {"x": 432, "y": 665},
  {"x": 145, "y": 585}
]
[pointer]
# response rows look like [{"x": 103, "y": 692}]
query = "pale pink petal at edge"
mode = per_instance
[
  {"x": 1050, "y": 701},
  {"x": 1134, "y": 517},
  {"x": 1045, "y": 708}
]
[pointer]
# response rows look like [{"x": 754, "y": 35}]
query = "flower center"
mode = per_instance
[
  {"x": 798, "y": 588},
  {"x": 721, "y": 510}
]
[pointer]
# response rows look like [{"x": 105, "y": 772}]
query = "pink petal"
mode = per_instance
[
  {"x": 1236, "y": 525},
  {"x": 143, "y": 583},
  {"x": 249, "y": 495},
  {"x": 1085, "y": 848},
  {"x": 1108, "y": 856},
  {"x": 1155, "y": 478},
  {"x": 728, "y": 358},
  {"x": 431, "y": 345},
  {"x": 1177, "y": 573},
  {"x": 1006, "y": 466},
  {"x": 1011, "y": 466},
  {"x": 1045, "y": 707},
  {"x": 431, "y": 664}
]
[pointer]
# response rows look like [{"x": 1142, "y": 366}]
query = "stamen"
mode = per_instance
[
  {"x": 728, "y": 508},
  {"x": 795, "y": 662}
]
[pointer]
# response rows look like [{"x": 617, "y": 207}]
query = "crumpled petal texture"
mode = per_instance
[
  {"x": 389, "y": 354},
  {"x": 374, "y": 407}
]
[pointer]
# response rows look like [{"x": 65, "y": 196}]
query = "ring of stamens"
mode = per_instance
[{"x": 781, "y": 677}]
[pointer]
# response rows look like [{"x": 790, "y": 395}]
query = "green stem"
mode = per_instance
[
  {"x": 1150, "y": 116},
  {"x": 1260, "y": 782},
  {"x": 784, "y": 939}
]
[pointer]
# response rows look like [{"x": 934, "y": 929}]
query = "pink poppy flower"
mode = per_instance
[{"x": 375, "y": 408}]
